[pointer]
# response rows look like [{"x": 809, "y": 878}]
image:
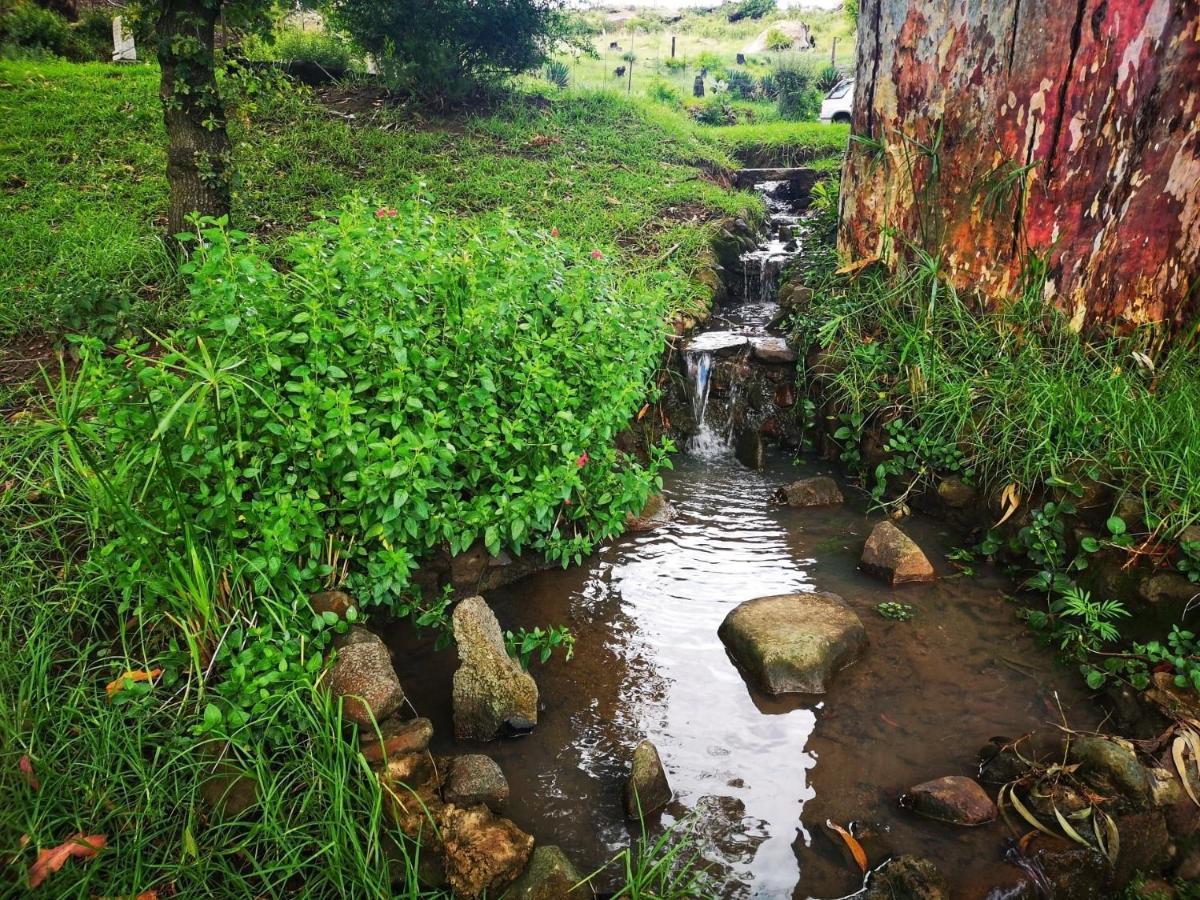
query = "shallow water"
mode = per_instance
[{"x": 761, "y": 775}]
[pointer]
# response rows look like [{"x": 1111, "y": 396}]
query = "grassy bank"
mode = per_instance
[{"x": 925, "y": 386}]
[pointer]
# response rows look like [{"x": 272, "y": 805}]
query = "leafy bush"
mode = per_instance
[
  {"x": 795, "y": 95},
  {"x": 92, "y": 35},
  {"x": 751, "y": 9},
  {"x": 35, "y": 28},
  {"x": 448, "y": 49},
  {"x": 715, "y": 111},
  {"x": 402, "y": 381},
  {"x": 325, "y": 48},
  {"x": 776, "y": 40},
  {"x": 663, "y": 92},
  {"x": 850, "y": 8},
  {"x": 710, "y": 60},
  {"x": 675, "y": 63},
  {"x": 741, "y": 84},
  {"x": 828, "y": 78},
  {"x": 558, "y": 74}
]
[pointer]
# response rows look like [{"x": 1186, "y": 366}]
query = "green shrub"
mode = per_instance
[
  {"x": 715, "y": 111},
  {"x": 401, "y": 381},
  {"x": 796, "y": 97},
  {"x": 776, "y": 40},
  {"x": 558, "y": 74},
  {"x": 92, "y": 35},
  {"x": 325, "y": 48},
  {"x": 827, "y": 79},
  {"x": 35, "y": 28},
  {"x": 751, "y": 9},
  {"x": 675, "y": 63},
  {"x": 663, "y": 92},
  {"x": 741, "y": 84},
  {"x": 711, "y": 61}
]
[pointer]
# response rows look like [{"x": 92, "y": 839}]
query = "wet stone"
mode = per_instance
[
  {"x": 895, "y": 557},
  {"x": 749, "y": 450},
  {"x": 956, "y": 493},
  {"x": 793, "y": 643},
  {"x": 999, "y": 763},
  {"x": 772, "y": 350},
  {"x": 955, "y": 799},
  {"x": 492, "y": 695},
  {"x": 399, "y": 736},
  {"x": 907, "y": 878},
  {"x": 337, "y": 602},
  {"x": 656, "y": 513},
  {"x": 549, "y": 876},
  {"x": 363, "y": 677},
  {"x": 482, "y": 852},
  {"x": 647, "y": 789},
  {"x": 1110, "y": 764},
  {"x": 819, "y": 491},
  {"x": 473, "y": 779}
]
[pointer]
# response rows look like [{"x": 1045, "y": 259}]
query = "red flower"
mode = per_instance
[
  {"x": 596, "y": 254},
  {"x": 567, "y": 501},
  {"x": 582, "y": 461},
  {"x": 553, "y": 232},
  {"x": 386, "y": 212}
]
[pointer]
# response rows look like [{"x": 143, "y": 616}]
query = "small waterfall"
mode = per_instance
[{"x": 705, "y": 442}]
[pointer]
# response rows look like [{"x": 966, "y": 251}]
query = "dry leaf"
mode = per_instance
[
  {"x": 118, "y": 684},
  {"x": 26, "y": 768},
  {"x": 856, "y": 849},
  {"x": 1178, "y": 747},
  {"x": 1010, "y": 500},
  {"x": 642, "y": 412},
  {"x": 50, "y": 861},
  {"x": 851, "y": 268}
]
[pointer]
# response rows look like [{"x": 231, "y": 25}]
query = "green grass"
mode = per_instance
[
  {"x": 783, "y": 143},
  {"x": 83, "y": 192}
]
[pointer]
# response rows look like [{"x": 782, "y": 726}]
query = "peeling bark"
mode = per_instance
[{"x": 1002, "y": 130}]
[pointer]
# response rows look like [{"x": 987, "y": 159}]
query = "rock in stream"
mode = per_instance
[
  {"x": 492, "y": 695},
  {"x": 895, "y": 557}
]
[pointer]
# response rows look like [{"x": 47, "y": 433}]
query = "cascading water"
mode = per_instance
[{"x": 705, "y": 442}]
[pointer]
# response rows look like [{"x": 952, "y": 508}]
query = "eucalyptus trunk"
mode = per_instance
[
  {"x": 198, "y": 152},
  {"x": 1000, "y": 134}
]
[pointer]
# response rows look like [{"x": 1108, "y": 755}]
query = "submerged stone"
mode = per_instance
[
  {"x": 363, "y": 677},
  {"x": 818, "y": 491},
  {"x": 647, "y": 789},
  {"x": 749, "y": 450},
  {"x": 955, "y": 799},
  {"x": 549, "y": 876},
  {"x": 491, "y": 691},
  {"x": 907, "y": 878},
  {"x": 894, "y": 556},
  {"x": 793, "y": 643},
  {"x": 656, "y": 513}
]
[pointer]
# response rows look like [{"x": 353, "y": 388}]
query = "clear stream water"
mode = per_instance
[{"x": 758, "y": 777}]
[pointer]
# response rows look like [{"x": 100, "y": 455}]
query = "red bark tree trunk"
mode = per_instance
[{"x": 993, "y": 132}]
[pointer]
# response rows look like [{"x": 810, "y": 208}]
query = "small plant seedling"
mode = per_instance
[{"x": 897, "y": 612}]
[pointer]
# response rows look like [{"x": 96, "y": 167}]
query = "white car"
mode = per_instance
[{"x": 839, "y": 103}]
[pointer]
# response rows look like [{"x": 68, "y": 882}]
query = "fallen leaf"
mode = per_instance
[
  {"x": 50, "y": 861},
  {"x": 26, "y": 768},
  {"x": 1178, "y": 747},
  {"x": 118, "y": 684},
  {"x": 889, "y": 720},
  {"x": 1010, "y": 500},
  {"x": 851, "y": 268},
  {"x": 856, "y": 849},
  {"x": 642, "y": 412}
]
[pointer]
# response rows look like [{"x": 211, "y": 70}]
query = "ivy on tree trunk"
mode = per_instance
[
  {"x": 999, "y": 132},
  {"x": 198, "y": 153}
]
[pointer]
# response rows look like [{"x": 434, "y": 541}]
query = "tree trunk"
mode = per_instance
[
  {"x": 996, "y": 132},
  {"x": 198, "y": 153}
]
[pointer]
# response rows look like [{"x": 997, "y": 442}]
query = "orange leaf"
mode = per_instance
[
  {"x": 50, "y": 861},
  {"x": 851, "y": 268},
  {"x": 118, "y": 684},
  {"x": 856, "y": 849},
  {"x": 642, "y": 412}
]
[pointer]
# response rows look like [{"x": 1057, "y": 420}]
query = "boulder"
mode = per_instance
[
  {"x": 1167, "y": 587},
  {"x": 894, "y": 556},
  {"x": 647, "y": 789},
  {"x": 492, "y": 695},
  {"x": 1110, "y": 765},
  {"x": 656, "y": 513},
  {"x": 793, "y": 643},
  {"x": 412, "y": 795},
  {"x": 819, "y": 491},
  {"x": 955, "y": 799},
  {"x": 772, "y": 350},
  {"x": 399, "y": 736},
  {"x": 337, "y": 602},
  {"x": 907, "y": 878},
  {"x": 748, "y": 448},
  {"x": 549, "y": 876},
  {"x": 956, "y": 493},
  {"x": 482, "y": 852},
  {"x": 473, "y": 779},
  {"x": 363, "y": 677}
]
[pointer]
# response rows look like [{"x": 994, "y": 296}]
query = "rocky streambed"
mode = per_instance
[{"x": 826, "y": 704}]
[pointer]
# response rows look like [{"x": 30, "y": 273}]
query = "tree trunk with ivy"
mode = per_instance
[
  {"x": 198, "y": 152},
  {"x": 999, "y": 133}
]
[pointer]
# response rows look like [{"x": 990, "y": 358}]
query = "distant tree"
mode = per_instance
[
  {"x": 751, "y": 9},
  {"x": 437, "y": 47},
  {"x": 198, "y": 147}
]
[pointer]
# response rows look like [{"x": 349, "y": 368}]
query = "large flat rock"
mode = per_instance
[{"x": 793, "y": 643}]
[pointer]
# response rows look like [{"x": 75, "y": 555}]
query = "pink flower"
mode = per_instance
[
  {"x": 386, "y": 212},
  {"x": 553, "y": 232},
  {"x": 582, "y": 461},
  {"x": 596, "y": 254},
  {"x": 567, "y": 501}
]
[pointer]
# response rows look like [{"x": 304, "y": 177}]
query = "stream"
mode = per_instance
[{"x": 757, "y": 777}]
